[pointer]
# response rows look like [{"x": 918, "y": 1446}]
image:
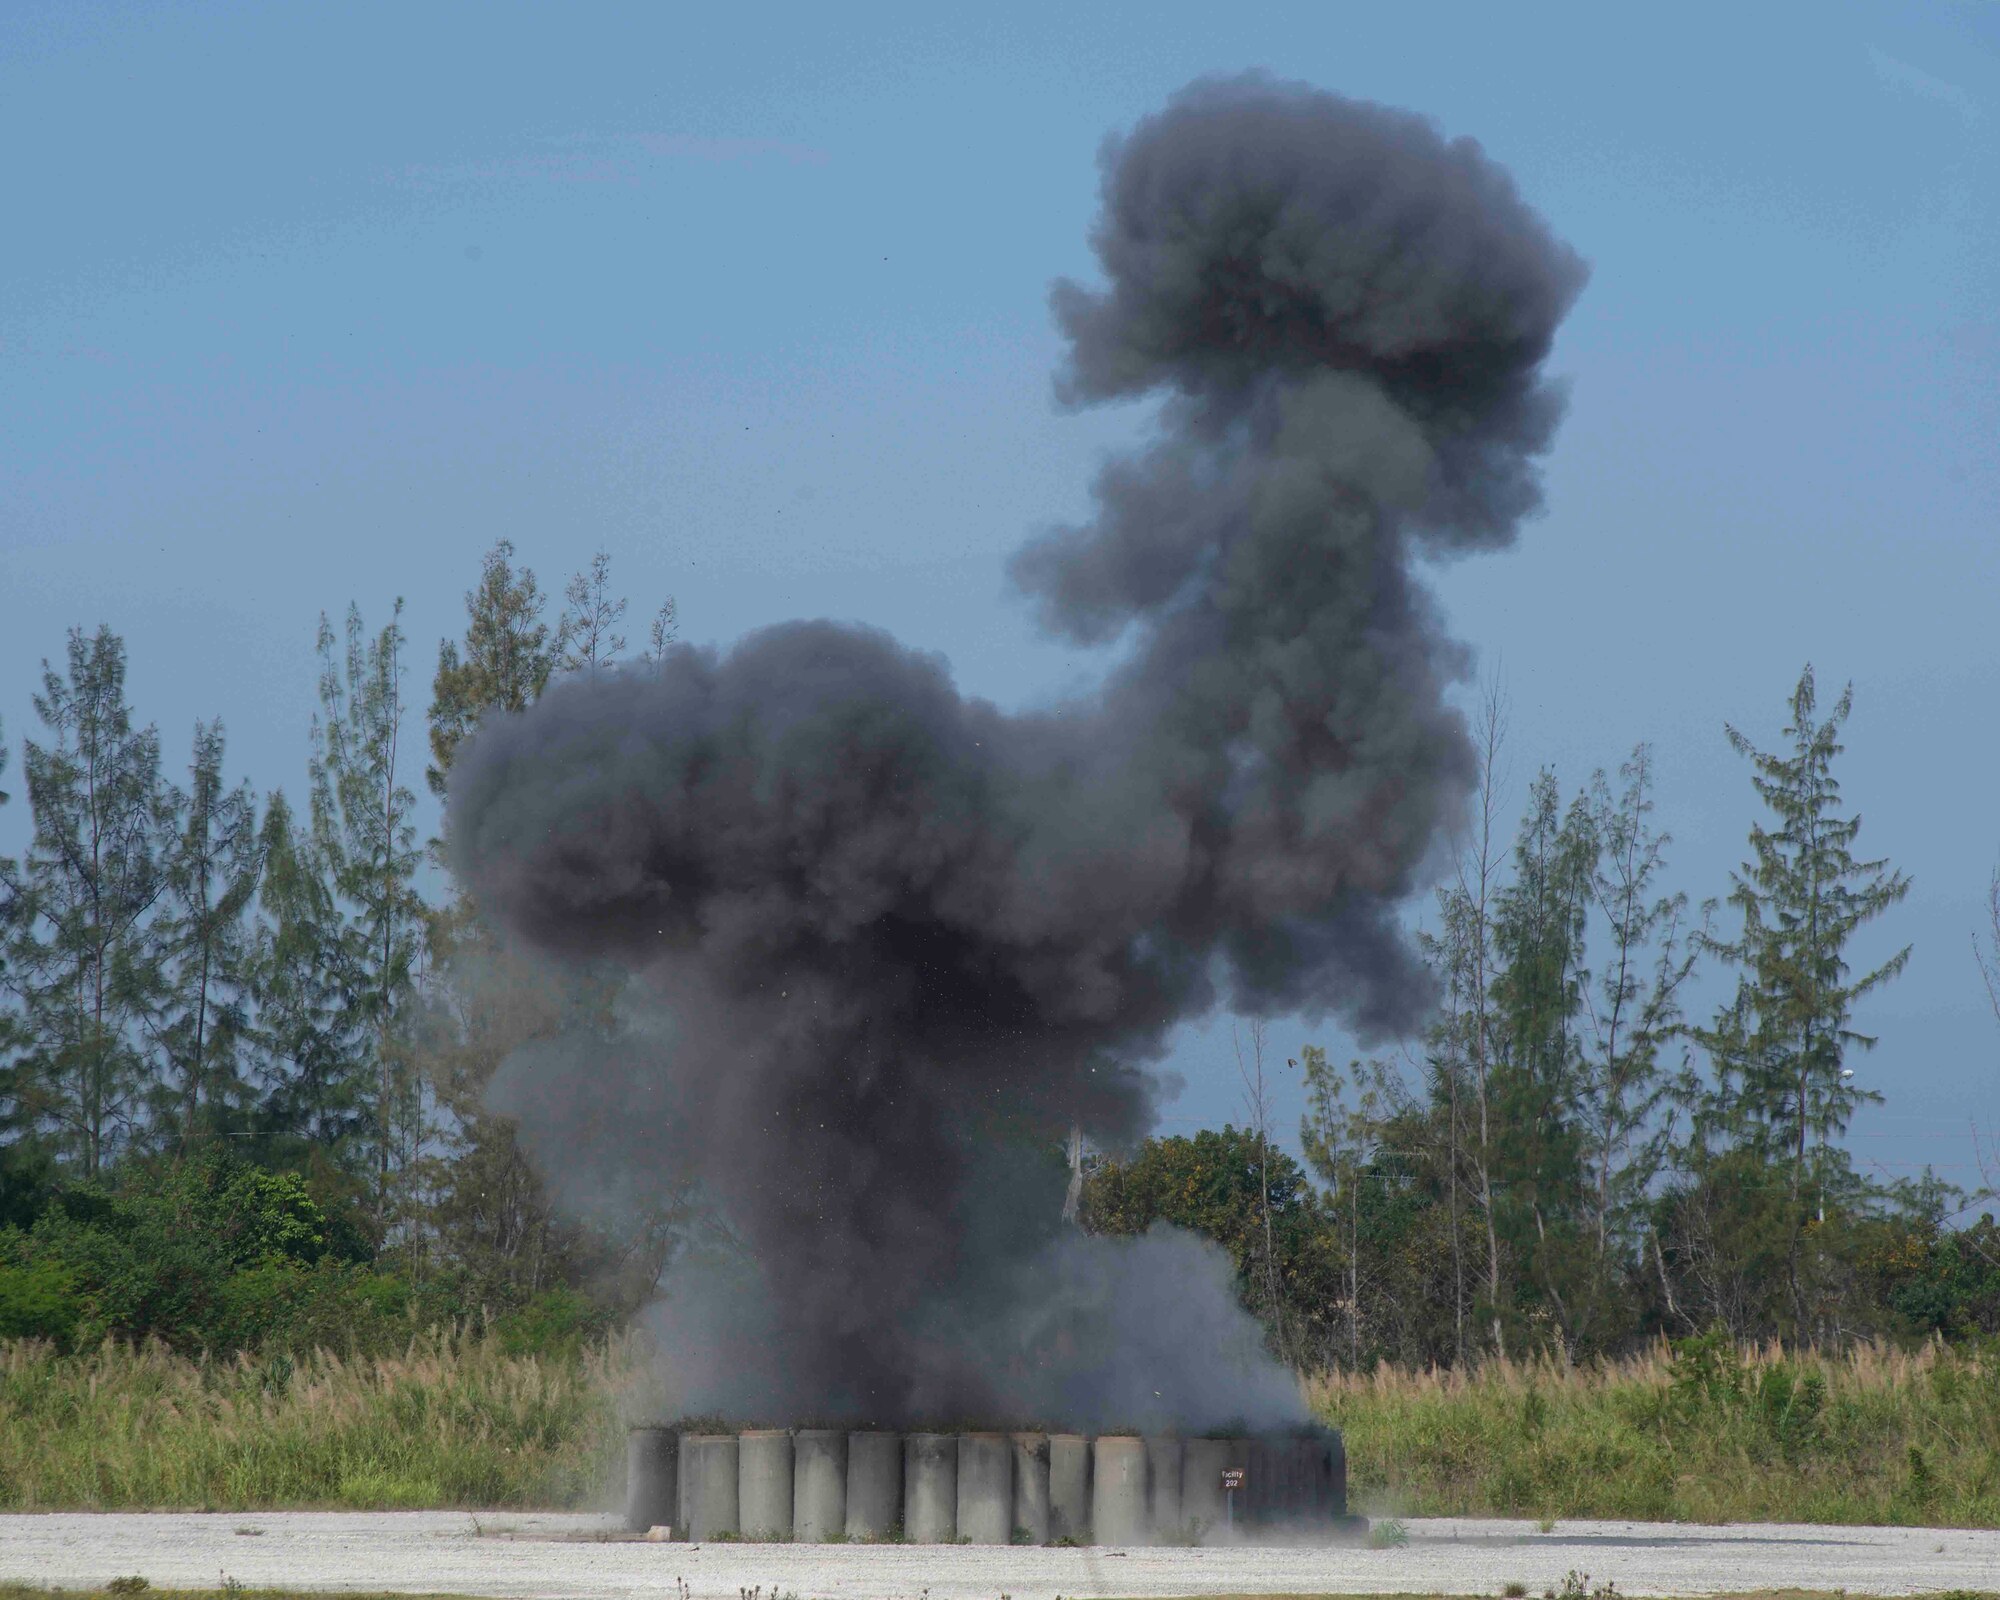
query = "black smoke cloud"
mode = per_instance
[{"x": 882, "y": 942}]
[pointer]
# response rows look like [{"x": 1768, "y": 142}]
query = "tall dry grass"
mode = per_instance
[
  {"x": 453, "y": 1421},
  {"x": 1876, "y": 1435}
]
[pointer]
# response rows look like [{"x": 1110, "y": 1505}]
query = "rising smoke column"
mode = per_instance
[{"x": 879, "y": 938}]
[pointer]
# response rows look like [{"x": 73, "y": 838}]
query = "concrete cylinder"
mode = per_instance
[
  {"x": 819, "y": 1485},
  {"x": 652, "y": 1481},
  {"x": 1202, "y": 1504},
  {"x": 1337, "y": 1474},
  {"x": 874, "y": 1485},
  {"x": 1267, "y": 1473},
  {"x": 986, "y": 1488},
  {"x": 1163, "y": 1487},
  {"x": 1069, "y": 1488},
  {"x": 1031, "y": 1487},
  {"x": 1315, "y": 1468},
  {"x": 1243, "y": 1456},
  {"x": 708, "y": 1485},
  {"x": 764, "y": 1483},
  {"x": 1118, "y": 1491},
  {"x": 930, "y": 1488}
]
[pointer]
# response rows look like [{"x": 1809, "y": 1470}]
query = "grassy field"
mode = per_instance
[
  {"x": 452, "y": 1422},
  {"x": 1711, "y": 1435}
]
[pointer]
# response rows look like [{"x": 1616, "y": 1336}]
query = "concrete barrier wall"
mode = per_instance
[
  {"x": 930, "y": 1488},
  {"x": 986, "y": 1488},
  {"x": 990, "y": 1488},
  {"x": 1069, "y": 1488},
  {"x": 819, "y": 1485},
  {"x": 874, "y": 1485},
  {"x": 652, "y": 1479},
  {"x": 1031, "y": 1487},
  {"x": 764, "y": 1483},
  {"x": 1118, "y": 1512}
]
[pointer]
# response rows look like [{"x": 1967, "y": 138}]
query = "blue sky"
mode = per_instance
[{"x": 306, "y": 304}]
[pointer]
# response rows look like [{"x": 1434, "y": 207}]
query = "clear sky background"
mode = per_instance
[{"x": 303, "y": 304}]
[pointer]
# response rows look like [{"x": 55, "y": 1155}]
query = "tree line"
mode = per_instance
[
  {"x": 194, "y": 977},
  {"x": 198, "y": 979},
  {"x": 1568, "y": 1161}
]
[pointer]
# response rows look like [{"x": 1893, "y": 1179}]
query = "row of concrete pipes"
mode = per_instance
[{"x": 816, "y": 1485}]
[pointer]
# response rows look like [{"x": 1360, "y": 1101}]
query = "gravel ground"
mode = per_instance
[{"x": 581, "y": 1557}]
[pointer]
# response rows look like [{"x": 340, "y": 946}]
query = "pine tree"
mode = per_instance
[
  {"x": 212, "y": 865},
  {"x": 1648, "y": 960},
  {"x": 1779, "y": 1045},
  {"x": 1460, "y": 1046},
  {"x": 364, "y": 837},
  {"x": 88, "y": 959},
  {"x": 1538, "y": 992},
  {"x": 665, "y": 629},
  {"x": 13, "y": 1121},
  {"x": 311, "y": 1036},
  {"x": 585, "y": 641},
  {"x": 504, "y": 664}
]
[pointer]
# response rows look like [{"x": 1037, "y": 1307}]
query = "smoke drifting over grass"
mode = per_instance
[{"x": 885, "y": 941}]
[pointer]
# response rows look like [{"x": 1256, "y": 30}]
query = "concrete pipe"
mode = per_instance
[
  {"x": 652, "y": 1479},
  {"x": 1315, "y": 1460},
  {"x": 1337, "y": 1473},
  {"x": 1243, "y": 1458},
  {"x": 1118, "y": 1491},
  {"x": 1069, "y": 1488},
  {"x": 986, "y": 1488},
  {"x": 874, "y": 1485},
  {"x": 708, "y": 1485},
  {"x": 764, "y": 1483},
  {"x": 1031, "y": 1487},
  {"x": 930, "y": 1488},
  {"x": 819, "y": 1485},
  {"x": 1163, "y": 1488},
  {"x": 1265, "y": 1490},
  {"x": 1203, "y": 1507}
]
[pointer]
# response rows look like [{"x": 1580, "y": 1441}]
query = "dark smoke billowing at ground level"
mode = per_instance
[{"x": 883, "y": 942}]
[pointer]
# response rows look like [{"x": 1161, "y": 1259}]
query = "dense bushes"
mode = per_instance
[{"x": 216, "y": 1255}]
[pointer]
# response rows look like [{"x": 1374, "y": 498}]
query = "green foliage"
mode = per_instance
[
  {"x": 1216, "y": 1184},
  {"x": 82, "y": 956},
  {"x": 212, "y": 865},
  {"x": 364, "y": 844},
  {"x": 503, "y": 665},
  {"x": 39, "y": 1301},
  {"x": 1778, "y": 1046}
]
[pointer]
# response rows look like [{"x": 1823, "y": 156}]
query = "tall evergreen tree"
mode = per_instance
[
  {"x": 1538, "y": 992},
  {"x": 212, "y": 865},
  {"x": 1778, "y": 1047},
  {"x": 312, "y": 1038},
  {"x": 89, "y": 961},
  {"x": 489, "y": 1208},
  {"x": 1636, "y": 1013},
  {"x": 664, "y": 629},
  {"x": 13, "y": 1122},
  {"x": 586, "y": 640},
  {"x": 364, "y": 835},
  {"x": 504, "y": 663}
]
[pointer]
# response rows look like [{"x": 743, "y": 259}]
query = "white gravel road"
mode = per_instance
[{"x": 581, "y": 1557}]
